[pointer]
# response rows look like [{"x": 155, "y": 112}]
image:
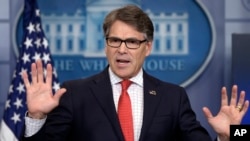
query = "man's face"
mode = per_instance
[{"x": 125, "y": 62}]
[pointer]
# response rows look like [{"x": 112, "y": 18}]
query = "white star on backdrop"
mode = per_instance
[
  {"x": 7, "y": 104},
  {"x": 26, "y": 58},
  {"x": 11, "y": 89},
  {"x": 37, "y": 56},
  {"x": 16, "y": 118},
  {"x": 38, "y": 28},
  {"x": 28, "y": 42},
  {"x": 31, "y": 28},
  {"x": 46, "y": 58},
  {"x": 38, "y": 42},
  {"x": 22, "y": 71},
  {"x": 18, "y": 103},
  {"x": 56, "y": 86},
  {"x": 20, "y": 88},
  {"x": 37, "y": 12},
  {"x": 45, "y": 43}
]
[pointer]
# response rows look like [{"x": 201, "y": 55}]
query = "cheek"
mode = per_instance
[
  {"x": 140, "y": 58},
  {"x": 143, "y": 54},
  {"x": 110, "y": 54}
]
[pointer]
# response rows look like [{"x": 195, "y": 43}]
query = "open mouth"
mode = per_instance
[{"x": 122, "y": 61}]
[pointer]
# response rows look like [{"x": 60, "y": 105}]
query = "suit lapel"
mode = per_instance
[
  {"x": 151, "y": 101},
  {"x": 103, "y": 92}
]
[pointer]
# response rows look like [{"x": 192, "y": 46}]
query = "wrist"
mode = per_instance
[
  {"x": 36, "y": 115},
  {"x": 224, "y": 137}
]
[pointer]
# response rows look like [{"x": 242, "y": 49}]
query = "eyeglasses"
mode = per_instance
[{"x": 130, "y": 43}]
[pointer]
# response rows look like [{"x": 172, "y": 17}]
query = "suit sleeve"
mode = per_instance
[{"x": 191, "y": 128}]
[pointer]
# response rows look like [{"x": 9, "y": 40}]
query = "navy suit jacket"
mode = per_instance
[{"x": 87, "y": 113}]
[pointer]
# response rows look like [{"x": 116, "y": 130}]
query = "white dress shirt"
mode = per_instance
[{"x": 135, "y": 91}]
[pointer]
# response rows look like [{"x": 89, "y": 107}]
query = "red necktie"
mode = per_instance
[{"x": 125, "y": 112}]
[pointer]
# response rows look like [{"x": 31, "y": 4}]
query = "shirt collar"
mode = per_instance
[{"x": 136, "y": 79}]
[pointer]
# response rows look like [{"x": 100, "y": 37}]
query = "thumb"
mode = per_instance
[
  {"x": 207, "y": 112},
  {"x": 59, "y": 93}
]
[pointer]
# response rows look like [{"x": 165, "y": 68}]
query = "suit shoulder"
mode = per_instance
[
  {"x": 81, "y": 81},
  {"x": 163, "y": 83}
]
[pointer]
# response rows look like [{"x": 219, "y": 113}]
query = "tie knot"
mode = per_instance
[{"x": 125, "y": 84}]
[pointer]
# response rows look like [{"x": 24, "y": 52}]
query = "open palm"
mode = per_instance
[
  {"x": 40, "y": 98},
  {"x": 229, "y": 114}
]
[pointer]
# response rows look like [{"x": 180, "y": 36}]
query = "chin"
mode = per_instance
[{"x": 123, "y": 75}]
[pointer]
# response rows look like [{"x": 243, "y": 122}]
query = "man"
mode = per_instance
[{"x": 89, "y": 109}]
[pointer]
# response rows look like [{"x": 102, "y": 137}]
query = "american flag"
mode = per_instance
[{"x": 34, "y": 46}]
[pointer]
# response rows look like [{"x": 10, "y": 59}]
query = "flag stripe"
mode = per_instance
[{"x": 8, "y": 134}]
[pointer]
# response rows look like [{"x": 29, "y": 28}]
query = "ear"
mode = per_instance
[{"x": 149, "y": 47}]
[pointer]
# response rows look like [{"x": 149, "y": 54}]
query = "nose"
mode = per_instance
[{"x": 122, "y": 48}]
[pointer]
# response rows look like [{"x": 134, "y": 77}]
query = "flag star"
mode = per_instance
[
  {"x": 37, "y": 56},
  {"x": 7, "y": 104},
  {"x": 28, "y": 42},
  {"x": 46, "y": 58},
  {"x": 56, "y": 86},
  {"x": 22, "y": 71},
  {"x": 14, "y": 74},
  {"x": 37, "y": 12},
  {"x": 54, "y": 72},
  {"x": 11, "y": 89},
  {"x": 38, "y": 42},
  {"x": 45, "y": 42},
  {"x": 20, "y": 88},
  {"x": 26, "y": 58},
  {"x": 38, "y": 29},
  {"x": 16, "y": 117},
  {"x": 31, "y": 28},
  {"x": 18, "y": 103},
  {"x": 45, "y": 72}
]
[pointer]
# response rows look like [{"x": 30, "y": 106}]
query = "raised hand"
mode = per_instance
[
  {"x": 229, "y": 114},
  {"x": 40, "y": 98}
]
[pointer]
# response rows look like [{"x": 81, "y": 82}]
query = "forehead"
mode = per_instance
[{"x": 123, "y": 30}]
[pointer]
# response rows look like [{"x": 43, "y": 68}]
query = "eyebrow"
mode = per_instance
[{"x": 130, "y": 38}]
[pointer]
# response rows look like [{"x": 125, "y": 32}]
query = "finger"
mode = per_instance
[
  {"x": 207, "y": 112},
  {"x": 49, "y": 74},
  {"x": 245, "y": 107},
  {"x": 224, "y": 98},
  {"x": 25, "y": 79},
  {"x": 234, "y": 96},
  {"x": 40, "y": 75},
  {"x": 59, "y": 93},
  {"x": 241, "y": 99},
  {"x": 33, "y": 73}
]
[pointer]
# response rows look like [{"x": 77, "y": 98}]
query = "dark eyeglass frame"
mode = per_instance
[{"x": 138, "y": 42}]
